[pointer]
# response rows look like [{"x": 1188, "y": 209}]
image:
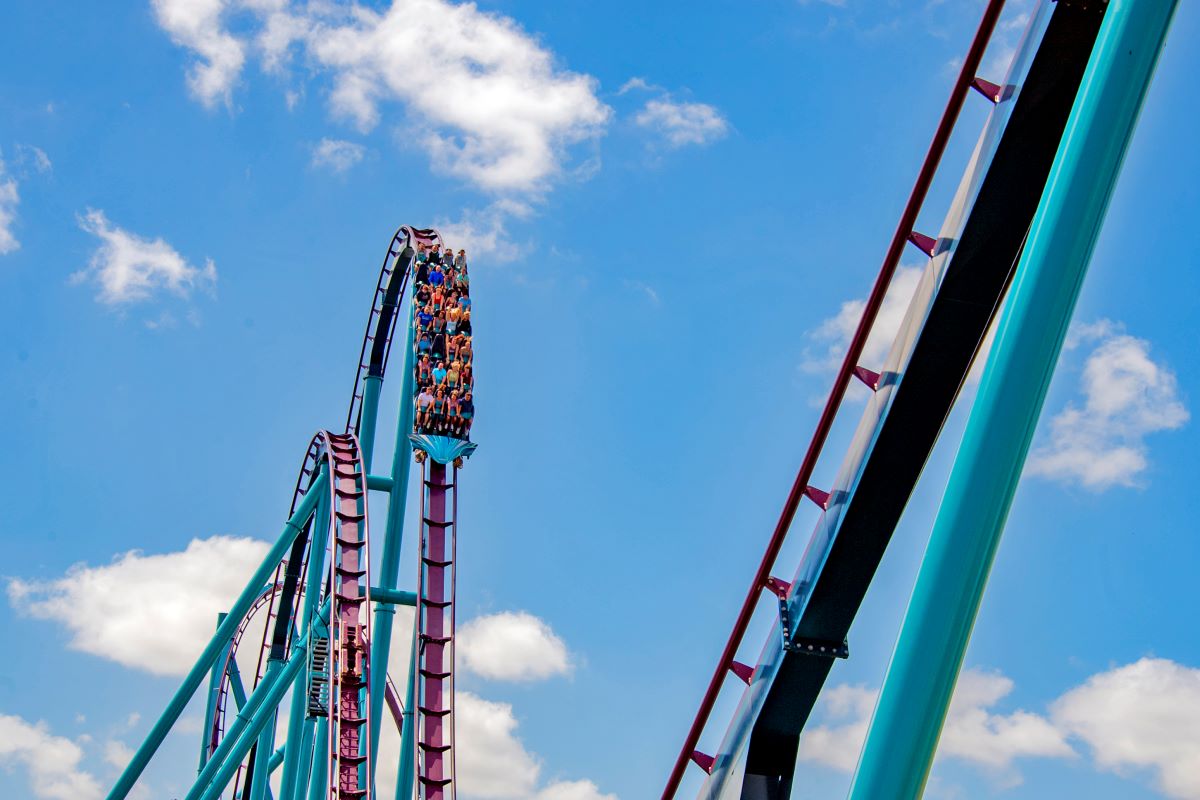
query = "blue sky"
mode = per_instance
[{"x": 671, "y": 212}]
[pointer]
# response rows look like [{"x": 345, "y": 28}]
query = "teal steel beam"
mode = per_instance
[
  {"x": 379, "y": 483},
  {"x": 208, "y": 657},
  {"x": 313, "y": 580},
  {"x": 393, "y": 537},
  {"x": 236, "y": 687},
  {"x": 244, "y": 731},
  {"x": 277, "y": 758},
  {"x": 320, "y": 763},
  {"x": 299, "y": 787},
  {"x": 214, "y": 691},
  {"x": 406, "y": 774},
  {"x": 368, "y": 414},
  {"x": 396, "y": 597},
  {"x": 911, "y": 709},
  {"x": 266, "y": 737}
]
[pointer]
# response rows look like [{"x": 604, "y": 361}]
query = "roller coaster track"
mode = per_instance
[
  {"x": 283, "y": 596},
  {"x": 435, "y": 632},
  {"x": 970, "y": 266}
]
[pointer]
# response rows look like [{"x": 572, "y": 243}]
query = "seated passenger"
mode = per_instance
[
  {"x": 464, "y": 301},
  {"x": 454, "y": 421},
  {"x": 439, "y": 410},
  {"x": 423, "y": 293},
  {"x": 466, "y": 411},
  {"x": 439, "y": 322},
  {"x": 439, "y": 373},
  {"x": 423, "y": 345},
  {"x": 453, "y": 315},
  {"x": 436, "y": 276},
  {"x": 424, "y": 371},
  {"x": 424, "y": 409},
  {"x": 438, "y": 298},
  {"x": 462, "y": 281},
  {"x": 464, "y": 351},
  {"x": 460, "y": 262},
  {"x": 467, "y": 378},
  {"x": 452, "y": 345},
  {"x": 435, "y": 255},
  {"x": 464, "y": 325},
  {"x": 424, "y": 318},
  {"x": 422, "y": 255}
]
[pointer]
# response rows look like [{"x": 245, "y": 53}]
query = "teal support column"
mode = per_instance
[
  {"x": 389, "y": 562},
  {"x": 266, "y": 737},
  {"x": 406, "y": 774},
  {"x": 320, "y": 763},
  {"x": 209, "y": 656},
  {"x": 304, "y": 770},
  {"x": 259, "y": 710},
  {"x": 372, "y": 385},
  {"x": 236, "y": 687},
  {"x": 313, "y": 580},
  {"x": 908, "y": 717},
  {"x": 397, "y": 597},
  {"x": 214, "y": 690}
]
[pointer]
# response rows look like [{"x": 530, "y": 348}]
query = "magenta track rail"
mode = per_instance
[
  {"x": 349, "y": 620},
  {"x": 904, "y": 234},
  {"x": 435, "y": 634}
]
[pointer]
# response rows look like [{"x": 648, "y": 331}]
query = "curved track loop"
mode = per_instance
[{"x": 218, "y": 723}]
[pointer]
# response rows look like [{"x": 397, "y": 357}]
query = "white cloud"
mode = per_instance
[
  {"x": 837, "y": 745},
  {"x": 832, "y": 337},
  {"x": 51, "y": 762},
  {"x": 149, "y": 612},
  {"x": 1127, "y": 396},
  {"x": 492, "y": 761},
  {"x": 483, "y": 233},
  {"x": 9, "y": 201},
  {"x": 512, "y": 646},
  {"x": 495, "y": 107},
  {"x": 972, "y": 732},
  {"x": 644, "y": 288},
  {"x": 573, "y": 790},
  {"x": 196, "y": 25},
  {"x": 682, "y": 123},
  {"x": 1141, "y": 716},
  {"x": 117, "y": 753},
  {"x": 33, "y": 157},
  {"x": 337, "y": 154},
  {"x": 991, "y": 740},
  {"x": 129, "y": 268}
]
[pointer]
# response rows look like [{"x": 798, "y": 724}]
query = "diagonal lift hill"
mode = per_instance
[
  {"x": 322, "y": 662},
  {"x": 971, "y": 264}
]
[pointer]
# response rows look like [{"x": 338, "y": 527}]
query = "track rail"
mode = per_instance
[
  {"x": 435, "y": 633},
  {"x": 905, "y": 232}
]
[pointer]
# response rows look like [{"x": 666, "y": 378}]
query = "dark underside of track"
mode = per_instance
[{"x": 980, "y": 267}]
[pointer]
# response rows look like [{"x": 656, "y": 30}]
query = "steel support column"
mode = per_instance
[{"x": 912, "y": 706}]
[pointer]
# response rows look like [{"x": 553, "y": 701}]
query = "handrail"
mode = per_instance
[{"x": 900, "y": 238}]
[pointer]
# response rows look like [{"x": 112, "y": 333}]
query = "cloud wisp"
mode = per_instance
[
  {"x": 10, "y": 200},
  {"x": 1136, "y": 720},
  {"x": 337, "y": 155},
  {"x": 51, "y": 763},
  {"x": 162, "y": 633},
  {"x": 972, "y": 733},
  {"x": 492, "y": 105},
  {"x": 1099, "y": 442},
  {"x": 512, "y": 646},
  {"x": 131, "y": 269}
]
